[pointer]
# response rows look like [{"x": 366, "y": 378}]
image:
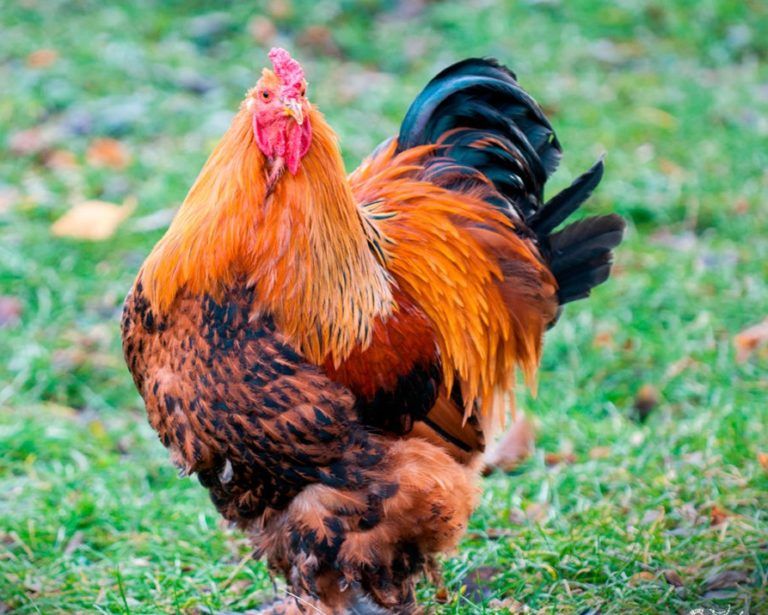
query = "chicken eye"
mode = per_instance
[{"x": 266, "y": 95}]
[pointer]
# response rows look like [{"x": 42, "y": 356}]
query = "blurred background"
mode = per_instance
[{"x": 647, "y": 490}]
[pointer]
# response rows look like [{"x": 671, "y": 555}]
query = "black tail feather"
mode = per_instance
[
  {"x": 491, "y": 129},
  {"x": 564, "y": 203},
  {"x": 581, "y": 254},
  {"x": 487, "y": 122}
]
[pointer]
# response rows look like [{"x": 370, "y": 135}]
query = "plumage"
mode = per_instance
[{"x": 330, "y": 354}]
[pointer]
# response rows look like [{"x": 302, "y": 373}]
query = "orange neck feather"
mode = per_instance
[{"x": 303, "y": 245}]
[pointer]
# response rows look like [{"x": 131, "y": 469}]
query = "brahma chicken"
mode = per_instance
[{"x": 329, "y": 354}]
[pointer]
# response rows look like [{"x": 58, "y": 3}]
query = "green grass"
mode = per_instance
[{"x": 92, "y": 516}]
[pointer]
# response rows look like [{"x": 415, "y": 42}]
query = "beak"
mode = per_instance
[{"x": 293, "y": 108}]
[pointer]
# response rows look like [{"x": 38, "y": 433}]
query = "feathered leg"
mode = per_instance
[{"x": 362, "y": 551}]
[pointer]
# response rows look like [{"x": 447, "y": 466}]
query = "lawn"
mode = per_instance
[{"x": 661, "y": 509}]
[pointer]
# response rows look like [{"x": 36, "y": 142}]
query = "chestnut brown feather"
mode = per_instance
[{"x": 284, "y": 454}]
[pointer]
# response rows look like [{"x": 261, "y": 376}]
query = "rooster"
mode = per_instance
[{"x": 329, "y": 354}]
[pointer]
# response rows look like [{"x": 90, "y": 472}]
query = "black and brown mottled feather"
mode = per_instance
[{"x": 283, "y": 452}]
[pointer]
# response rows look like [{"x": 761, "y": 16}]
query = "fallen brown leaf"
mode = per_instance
[
  {"x": 515, "y": 446},
  {"x": 762, "y": 459},
  {"x": 646, "y": 400},
  {"x": 750, "y": 340},
  {"x": 553, "y": 459},
  {"x": 603, "y": 339},
  {"x": 60, "y": 159},
  {"x": 105, "y": 152},
  {"x": 718, "y": 515},
  {"x": 642, "y": 578},
  {"x": 727, "y": 579},
  {"x": 740, "y": 206},
  {"x": 600, "y": 452},
  {"x": 673, "y": 578},
  {"x": 42, "y": 58},
  {"x": 93, "y": 220},
  {"x": 262, "y": 29},
  {"x": 10, "y": 311},
  {"x": 280, "y": 9},
  {"x": 441, "y": 595}
]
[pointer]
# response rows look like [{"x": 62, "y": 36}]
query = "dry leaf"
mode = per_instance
[
  {"x": 42, "y": 58},
  {"x": 600, "y": 452},
  {"x": 750, "y": 339},
  {"x": 442, "y": 596},
  {"x": 727, "y": 579},
  {"x": 646, "y": 400},
  {"x": 641, "y": 578},
  {"x": 718, "y": 515},
  {"x": 553, "y": 459},
  {"x": 741, "y": 206},
  {"x": 60, "y": 159},
  {"x": 262, "y": 29},
  {"x": 280, "y": 9},
  {"x": 515, "y": 446},
  {"x": 762, "y": 459},
  {"x": 10, "y": 311},
  {"x": 603, "y": 339},
  {"x": 673, "y": 578},
  {"x": 93, "y": 220},
  {"x": 106, "y": 152}
]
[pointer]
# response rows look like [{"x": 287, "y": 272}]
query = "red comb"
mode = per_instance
[{"x": 288, "y": 69}]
